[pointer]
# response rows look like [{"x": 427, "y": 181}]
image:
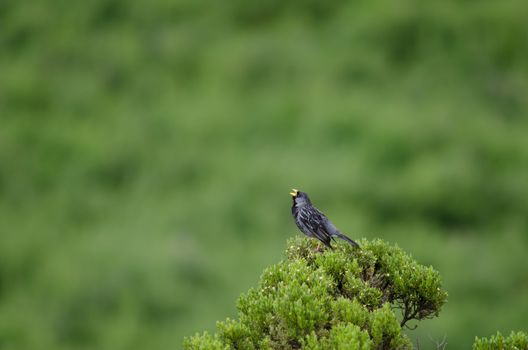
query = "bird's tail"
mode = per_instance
[{"x": 342, "y": 236}]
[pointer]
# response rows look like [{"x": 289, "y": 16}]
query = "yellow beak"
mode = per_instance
[{"x": 294, "y": 192}]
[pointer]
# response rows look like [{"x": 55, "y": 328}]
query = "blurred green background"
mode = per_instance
[{"x": 147, "y": 150}]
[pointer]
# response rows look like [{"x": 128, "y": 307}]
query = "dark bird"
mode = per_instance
[{"x": 312, "y": 222}]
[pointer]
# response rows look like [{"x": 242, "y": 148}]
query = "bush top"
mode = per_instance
[{"x": 323, "y": 299}]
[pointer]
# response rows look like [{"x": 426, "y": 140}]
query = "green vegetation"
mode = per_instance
[
  {"x": 340, "y": 299},
  {"x": 147, "y": 150},
  {"x": 515, "y": 341}
]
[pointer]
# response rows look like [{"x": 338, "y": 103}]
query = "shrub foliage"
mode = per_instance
[
  {"x": 515, "y": 341},
  {"x": 332, "y": 299}
]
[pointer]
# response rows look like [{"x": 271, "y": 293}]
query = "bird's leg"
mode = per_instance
[{"x": 318, "y": 248}]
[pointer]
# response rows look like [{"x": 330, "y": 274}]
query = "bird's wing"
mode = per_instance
[
  {"x": 303, "y": 222},
  {"x": 321, "y": 231},
  {"x": 324, "y": 237}
]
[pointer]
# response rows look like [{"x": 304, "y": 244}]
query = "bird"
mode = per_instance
[{"x": 312, "y": 222}]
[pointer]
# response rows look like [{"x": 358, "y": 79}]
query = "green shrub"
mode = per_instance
[
  {"x": 333, "y": 299},
  {"x": 515, "y": 341}
]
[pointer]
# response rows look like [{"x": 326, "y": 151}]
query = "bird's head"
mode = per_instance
[{"x": 299, "y": 198}]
